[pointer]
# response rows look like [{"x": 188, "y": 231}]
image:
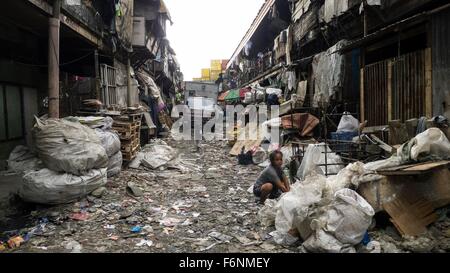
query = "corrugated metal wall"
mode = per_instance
[
  {"x": 376, "y": 93},
  {"x": 408, "y": 86},
  {"x": 441, "y": 63},
  {"x": 395, "y": 89}
]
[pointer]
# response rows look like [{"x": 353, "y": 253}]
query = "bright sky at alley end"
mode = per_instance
[{"x": 204, "y": 30}]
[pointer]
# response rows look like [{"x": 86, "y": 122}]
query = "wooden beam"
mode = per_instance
[
  {"x": 428, "y": 84},
  {"x": 361, "y": 95}
]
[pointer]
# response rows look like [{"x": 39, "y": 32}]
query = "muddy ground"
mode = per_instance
[{"x": 204, "y": 207}]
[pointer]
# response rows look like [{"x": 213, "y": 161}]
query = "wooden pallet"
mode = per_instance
[
  {"x": 127, "y": 130},
  {"x": 129, "y": 156},
  {"x": 129, "y": 146}
]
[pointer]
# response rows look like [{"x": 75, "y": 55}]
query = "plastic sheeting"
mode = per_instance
[
  {"x": 70, "y": 147},
  {"x": 315, "y": 156},
  {"x": 48, "y": 187},
  {"x": 333, "y": 8},
  {"x": 329, "y": 72},
  {"x": 115, "y": 164},
  {"x": 154, "y": 156},
  {"x": 431, "y": 145}
]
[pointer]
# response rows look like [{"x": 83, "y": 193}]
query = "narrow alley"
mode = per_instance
[{"x": 224, "y": 126}]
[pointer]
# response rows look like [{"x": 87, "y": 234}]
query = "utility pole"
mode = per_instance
[{"x": 53, "y": 61}]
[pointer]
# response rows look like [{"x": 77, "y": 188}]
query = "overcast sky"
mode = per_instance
[{"x": 204, "y": 30}]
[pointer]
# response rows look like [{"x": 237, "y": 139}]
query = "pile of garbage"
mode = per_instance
[
  {"x": 68, "y": 161},
  {"x": 327, "y": 213}
]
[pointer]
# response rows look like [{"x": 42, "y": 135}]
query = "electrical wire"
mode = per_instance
[{"x": 63, "y": 64}]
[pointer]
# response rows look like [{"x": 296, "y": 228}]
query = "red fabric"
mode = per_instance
[{"x": 243, "y": 91}]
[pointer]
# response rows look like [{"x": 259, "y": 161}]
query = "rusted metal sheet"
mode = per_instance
[
  {"x": 396, "y": 89},
  {"x": 441, "y": 63},
  {"x": 409, "y": 86},
  {"x": 376, "y": 93}
]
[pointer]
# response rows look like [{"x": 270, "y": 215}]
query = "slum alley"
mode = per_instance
[{"x": 351, "y": 99}]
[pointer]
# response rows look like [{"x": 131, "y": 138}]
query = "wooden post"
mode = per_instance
[
  {"x": 428, "y": 84},
  {"x": 53, "y": 61},
  {"x": 97, "y": 76},
  {"x": 361, "y": 95},
  {"x": 389, "y": 90}
]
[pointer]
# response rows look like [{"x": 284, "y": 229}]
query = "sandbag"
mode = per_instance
[
  {"x": 110, "y": 141},
  {"x": 69, "y": 147},
  {"x": 115, "y": 164},
  {"x": 48, "y": 187},
  {"x": 22, "y": 160}
]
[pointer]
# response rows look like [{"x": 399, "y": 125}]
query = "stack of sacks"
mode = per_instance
[{"x": 74, "y": 163}]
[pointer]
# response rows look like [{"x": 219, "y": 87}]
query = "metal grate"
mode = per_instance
[{"x": 109, "y": 87}]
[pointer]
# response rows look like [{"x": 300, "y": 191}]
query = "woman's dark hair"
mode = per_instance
[{"x": 273, "y": 155}]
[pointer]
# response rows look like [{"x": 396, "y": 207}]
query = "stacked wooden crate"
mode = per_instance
[{"x": 129, "y": 129}]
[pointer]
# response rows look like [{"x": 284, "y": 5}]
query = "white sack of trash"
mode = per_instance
[
  {"x": 49, "y": 187},
  {"x": 70, "y": 147}
]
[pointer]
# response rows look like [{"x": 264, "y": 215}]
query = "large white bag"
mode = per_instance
[
  {"x": 48, "y": 187},
  {"x": 348, "y": 217},
  {"x": 295, "y": 205},
  {"x": 110, "y": 141},
  {"x": 66, "y": 146},
  {"x": 22, "y": 160},
  {"x": 115, "y": 164}
]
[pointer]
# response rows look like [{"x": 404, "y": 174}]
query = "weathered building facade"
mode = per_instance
[
  {"x": 381, "y": 60},
  {"x": 62, "y": 52}
]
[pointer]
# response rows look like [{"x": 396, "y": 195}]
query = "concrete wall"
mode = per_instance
[
  {"x": 33, "y": 82},
  {"x": 122, "y": 85}
]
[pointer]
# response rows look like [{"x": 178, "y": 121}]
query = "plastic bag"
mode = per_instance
[
  {"x": 70, "y": 147},
  {"x": 22, "y": 160},
  {"x": 315, "y": 156},
  {"x": 429, "y": 145},
  {"x": 345, "y": 178},
  {"x": 154, "y": 156},
  {"x": 296, "y": 203},
  {"x": 115, "y": 164},
  {"x": 48, "y": 187},
  {"x": 348, "y": 124},
  {"x": 110, "y": 141},
  {"x": 322, "y": 242},
  {"x": 348, "y": 217},
  {"x": 267, "y": 213},
  {"x": 259, "y": 156}
]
